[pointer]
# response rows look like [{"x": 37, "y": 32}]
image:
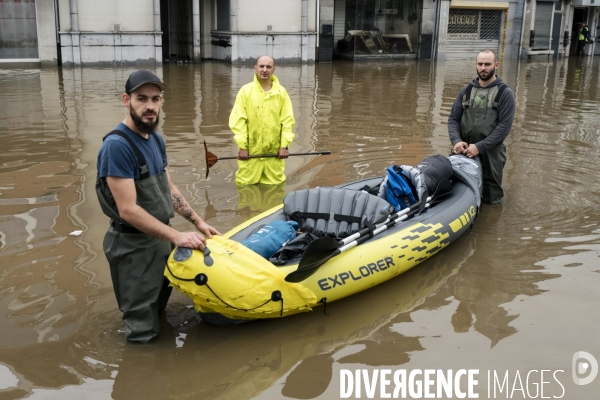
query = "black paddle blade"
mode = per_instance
[{"x": 316, "y": 254}]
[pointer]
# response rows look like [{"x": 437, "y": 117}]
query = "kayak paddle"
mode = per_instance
[{"x": 325, "y": 248}]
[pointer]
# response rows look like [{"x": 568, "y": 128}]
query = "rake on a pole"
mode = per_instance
[{"x": 211, "y": 159}]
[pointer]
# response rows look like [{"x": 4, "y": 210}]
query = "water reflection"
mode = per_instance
[
  {"x": 260, "y": 353},
  {"x": 490, "y": 293},
  {"x": 489, "y": 282},
  {"x": 258, "y": 198},
  {"x": 38, "y": 188}
]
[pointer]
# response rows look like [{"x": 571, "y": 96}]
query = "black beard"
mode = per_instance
[
  {"x": 490, "y": 75},
  {"x": 143, "y": 127}
]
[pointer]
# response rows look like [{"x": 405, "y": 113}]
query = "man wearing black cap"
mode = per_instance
[{"x": 135, "y": 190}]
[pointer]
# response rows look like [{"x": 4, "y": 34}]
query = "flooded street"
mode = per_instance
[{"x": 516, "y": 294}]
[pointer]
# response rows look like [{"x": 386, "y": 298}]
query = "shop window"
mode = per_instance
[
  {"x": 468, "y": 24},
  {"x": 380, "y": 27},
  {"x": 223, "y": 15},
  {"x": 18, "y": 29}
]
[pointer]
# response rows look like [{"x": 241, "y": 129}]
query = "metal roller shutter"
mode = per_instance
[
  {"x": 339, "y": 21},
  {"x": 470, "y": 31},
  {"x": 544, "y": 13}
]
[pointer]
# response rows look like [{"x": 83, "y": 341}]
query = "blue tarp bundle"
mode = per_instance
[{"x": 271, "y": 237}]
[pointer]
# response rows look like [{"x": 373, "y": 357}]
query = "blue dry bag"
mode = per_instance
[
  {"x": 271, "y": 237},
  {"x": 399, "y": 192}
]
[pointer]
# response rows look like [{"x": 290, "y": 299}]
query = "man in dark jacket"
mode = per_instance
[{"x": 480, "y": 120}]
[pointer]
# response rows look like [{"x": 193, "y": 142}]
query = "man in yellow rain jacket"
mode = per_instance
[
  {"x": 584, "y": 33},
  {"x": 262, "y": 120}
]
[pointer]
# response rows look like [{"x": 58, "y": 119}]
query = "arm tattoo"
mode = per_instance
[{"x": 182, "y": 208}]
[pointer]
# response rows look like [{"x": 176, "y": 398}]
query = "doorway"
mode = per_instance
[
  {"x": 579, "y": 15},
  {"x": 177, "y": 30}
]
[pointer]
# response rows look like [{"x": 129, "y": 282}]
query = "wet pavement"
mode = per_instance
[{"x": 518, "y": 293}]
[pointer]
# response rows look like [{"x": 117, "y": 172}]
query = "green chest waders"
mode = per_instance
[
  {"x": 479, "y": 119},
  {"x": 137, "y": 260}
]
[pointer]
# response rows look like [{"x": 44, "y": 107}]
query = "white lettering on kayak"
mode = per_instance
[{"x": 363, "y": 271}]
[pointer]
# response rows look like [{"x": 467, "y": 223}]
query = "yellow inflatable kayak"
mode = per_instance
[{"x": 230, "y": 280}]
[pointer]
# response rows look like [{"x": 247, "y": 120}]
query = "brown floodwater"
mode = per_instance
[{"x": 518, "y": 293}]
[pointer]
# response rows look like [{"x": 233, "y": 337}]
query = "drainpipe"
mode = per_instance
[
  {"x": 436, "y": 31},
  {"x": 57, "y": 21},
  {"x": 522, "y": 29},
  {"x": 318, "y": 22}
]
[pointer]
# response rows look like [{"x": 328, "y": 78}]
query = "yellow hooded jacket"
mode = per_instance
[{"x": 262, "y": 123}]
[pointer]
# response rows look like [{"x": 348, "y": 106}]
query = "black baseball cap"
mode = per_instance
[{"x": 141, "y": 77}]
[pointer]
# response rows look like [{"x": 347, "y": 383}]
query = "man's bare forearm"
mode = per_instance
[
  {"x": 182, "y": 207},
  {"x": 124, "y": 193},
  {"x": 142, "y": 220}
]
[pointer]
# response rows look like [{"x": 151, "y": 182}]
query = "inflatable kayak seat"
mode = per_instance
[{"x": 334, "y": 211}]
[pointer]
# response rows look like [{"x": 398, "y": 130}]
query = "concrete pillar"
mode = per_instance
[
  {"x": 157, "y": 32},
  {"x": 233, "y": 28},
  {"x": 46, "y": 23},
  {"x": 594, "y": 31},
  {"x": 157, "y": 27},
  {"x": 205, "y": 26},
  {"x": 75, "y": 33},
  {"x": 74, "y": 19},
  {"x": 304, "y": 30},
  {"x": 197, "y": 53},
  {"x": 233, "y": 10},
  {"x": 442, "y": 39},
  {"x": 304, "y": 20}
]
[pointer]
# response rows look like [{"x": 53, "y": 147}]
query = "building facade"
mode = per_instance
[
  {"x": 80, "y": 32},
  {"x": 469, "y": 26},
  {"x": 553, "y": 28}
]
